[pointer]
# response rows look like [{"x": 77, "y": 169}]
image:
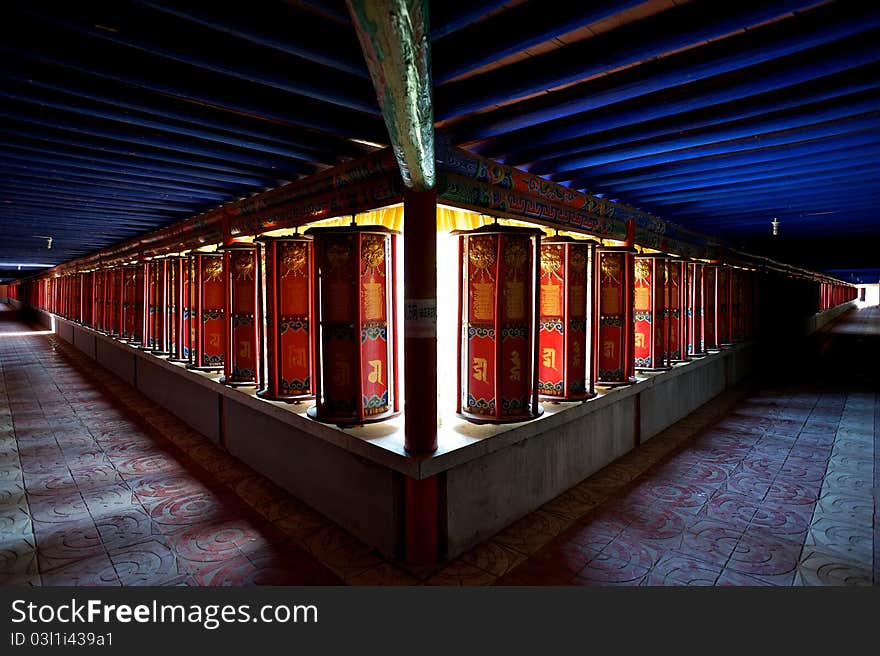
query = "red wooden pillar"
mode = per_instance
[
  {"x": 242, "y": 366},
  {"x": 614, "y": 299},
  {"x": 289, "y": 318},
  {"x": 710, "y": 307},
  {"x": 146, "y": 305},
  {"x": 133, "y": 303},
  {"x": 178, "y": 312},
  {"x": 84, "y": 298},
  {"x": 208, "y": 337},
  {"x": 420, "y": 320},
  {"x": 498, "y": 342},
  {"x": 650, "y": 316},
  {"x": 695, "y": 310},
  {"x": 565, "y": 366},
  {"x": 676, "y": 296},
  {"x": 114, "y": 301},
  {"x": 747, "y": 307},
  {"x": 421, "y": 496},
  {"x": 723, "y": 306},
  {"x": 158, "y": 315},
  {"x": 356, "y": 327},
  {"x": 98, "y": 300},
  {"x": 736, "y": 318}
]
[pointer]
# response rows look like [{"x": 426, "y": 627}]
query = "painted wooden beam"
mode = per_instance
[{"x": 394, "y": 37}]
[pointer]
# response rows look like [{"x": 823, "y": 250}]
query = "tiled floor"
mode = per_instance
[{"x": 100, "y": 486}]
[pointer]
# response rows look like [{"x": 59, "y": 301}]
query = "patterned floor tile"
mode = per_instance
[
  {"x": 97, "y": 570},
  {"x": 734, "y": 509},
  {"x": 573, "y": 504},
  {"x": 342, "y": 553},
  {"x": 857, "y": 510},
  {"x": 18, "y": 556},
  {"x": 101, "y": 500},
  {"x": 122, "y": 527},
  {"x": 848, "y": 483},
  {"x": 853, "y": 542},
  {"x": 462, "y": 573},
  {"x": 172, "y": 514},
  {"x": 384, "y": 574},
  {"x": 627, "y": 560},
  {"x": 150, "y": 562},
  {"x": 493, "y": 557},
  {"x": 763, "y": 555},
  {"x": 784, "y": 519},
  {"x": 710, "y": 541},
  {"x": 63, "y": 508},
  {"x": 821, "y": 568},
  {"x": 677, "y": 569},
  {"x": 532, "y": 532}
]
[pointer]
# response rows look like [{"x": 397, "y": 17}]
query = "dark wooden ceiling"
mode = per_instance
[{"x": 117, "y": 117}]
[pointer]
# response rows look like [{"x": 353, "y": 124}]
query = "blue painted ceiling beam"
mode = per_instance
[
  {"x": 88, "y": 126},
  {"x": 791, "y": 184},
  {"x": 828, "y": 166},
  {"x": 212, "y": 91},
  {"x": 67, "y": 83},
  {"x": 475, "y": 46},
  {"x": 82, "y": 108},
  {"x": 142, "y": 161},
  {"x": 779, "y": 158},
  {"x": 71, "y": 167},
  {"x": 827, "y": 112},
  {"x": 676, "y": 28},
  {"x": 208, "y": 51},
  {"x": 448, "y": 16},
  {"x": 320, "y": 41},
  {"x": 105, "y": 182},
  {"x": 836, "y": 128},
  {"x": 764, "y": 58},
  {"x": 846, "y": 80}
]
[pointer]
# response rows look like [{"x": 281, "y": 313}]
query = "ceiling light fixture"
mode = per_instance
[{"x": 775, "y": 224}]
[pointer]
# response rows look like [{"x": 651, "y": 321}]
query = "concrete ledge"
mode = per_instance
[
  {"x": 118, "y": 358},
  {"x": 821, "y": 319},
  {"x": 358, "y": 494},
  {"x": 196, "y": 405}
]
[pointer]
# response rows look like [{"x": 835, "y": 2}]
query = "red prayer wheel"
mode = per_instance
[
  {"x": 565, "y": 362},
  {"x": 114, "y": 297},
  {"x": 652, "y": 324},
  {"x": 695, "y": 310},
  {"x": 355, "y": 341},
  {"x": 723, "y": 306},
  {"x": 614, "y": 343},
  {"x": 676, "y": 299},
  {"x": 132, "y": 287},
  {"x": 98, "y": 300},
  {"x": 157, "y": 319},
  {"x": 244, "y": 315},
  {"x": 736, "y": 318},
  {"x": 85, "y": 298},
  {"x": 208, "y": 337},
  {"x": 289, "y": 318},
  {"x": 710, "y": 307},
  {"x": 179, "y": 324},
  {"x": 498, "y": 308}
]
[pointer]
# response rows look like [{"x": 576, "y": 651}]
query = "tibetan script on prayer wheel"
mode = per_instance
[
  {"x": 355, "y": 335},
  {"x": 498, "y": 339},
  {"x": 565, "y": 367}
]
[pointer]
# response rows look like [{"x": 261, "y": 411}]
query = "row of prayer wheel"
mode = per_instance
[{"x": 540, "y": 319}]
